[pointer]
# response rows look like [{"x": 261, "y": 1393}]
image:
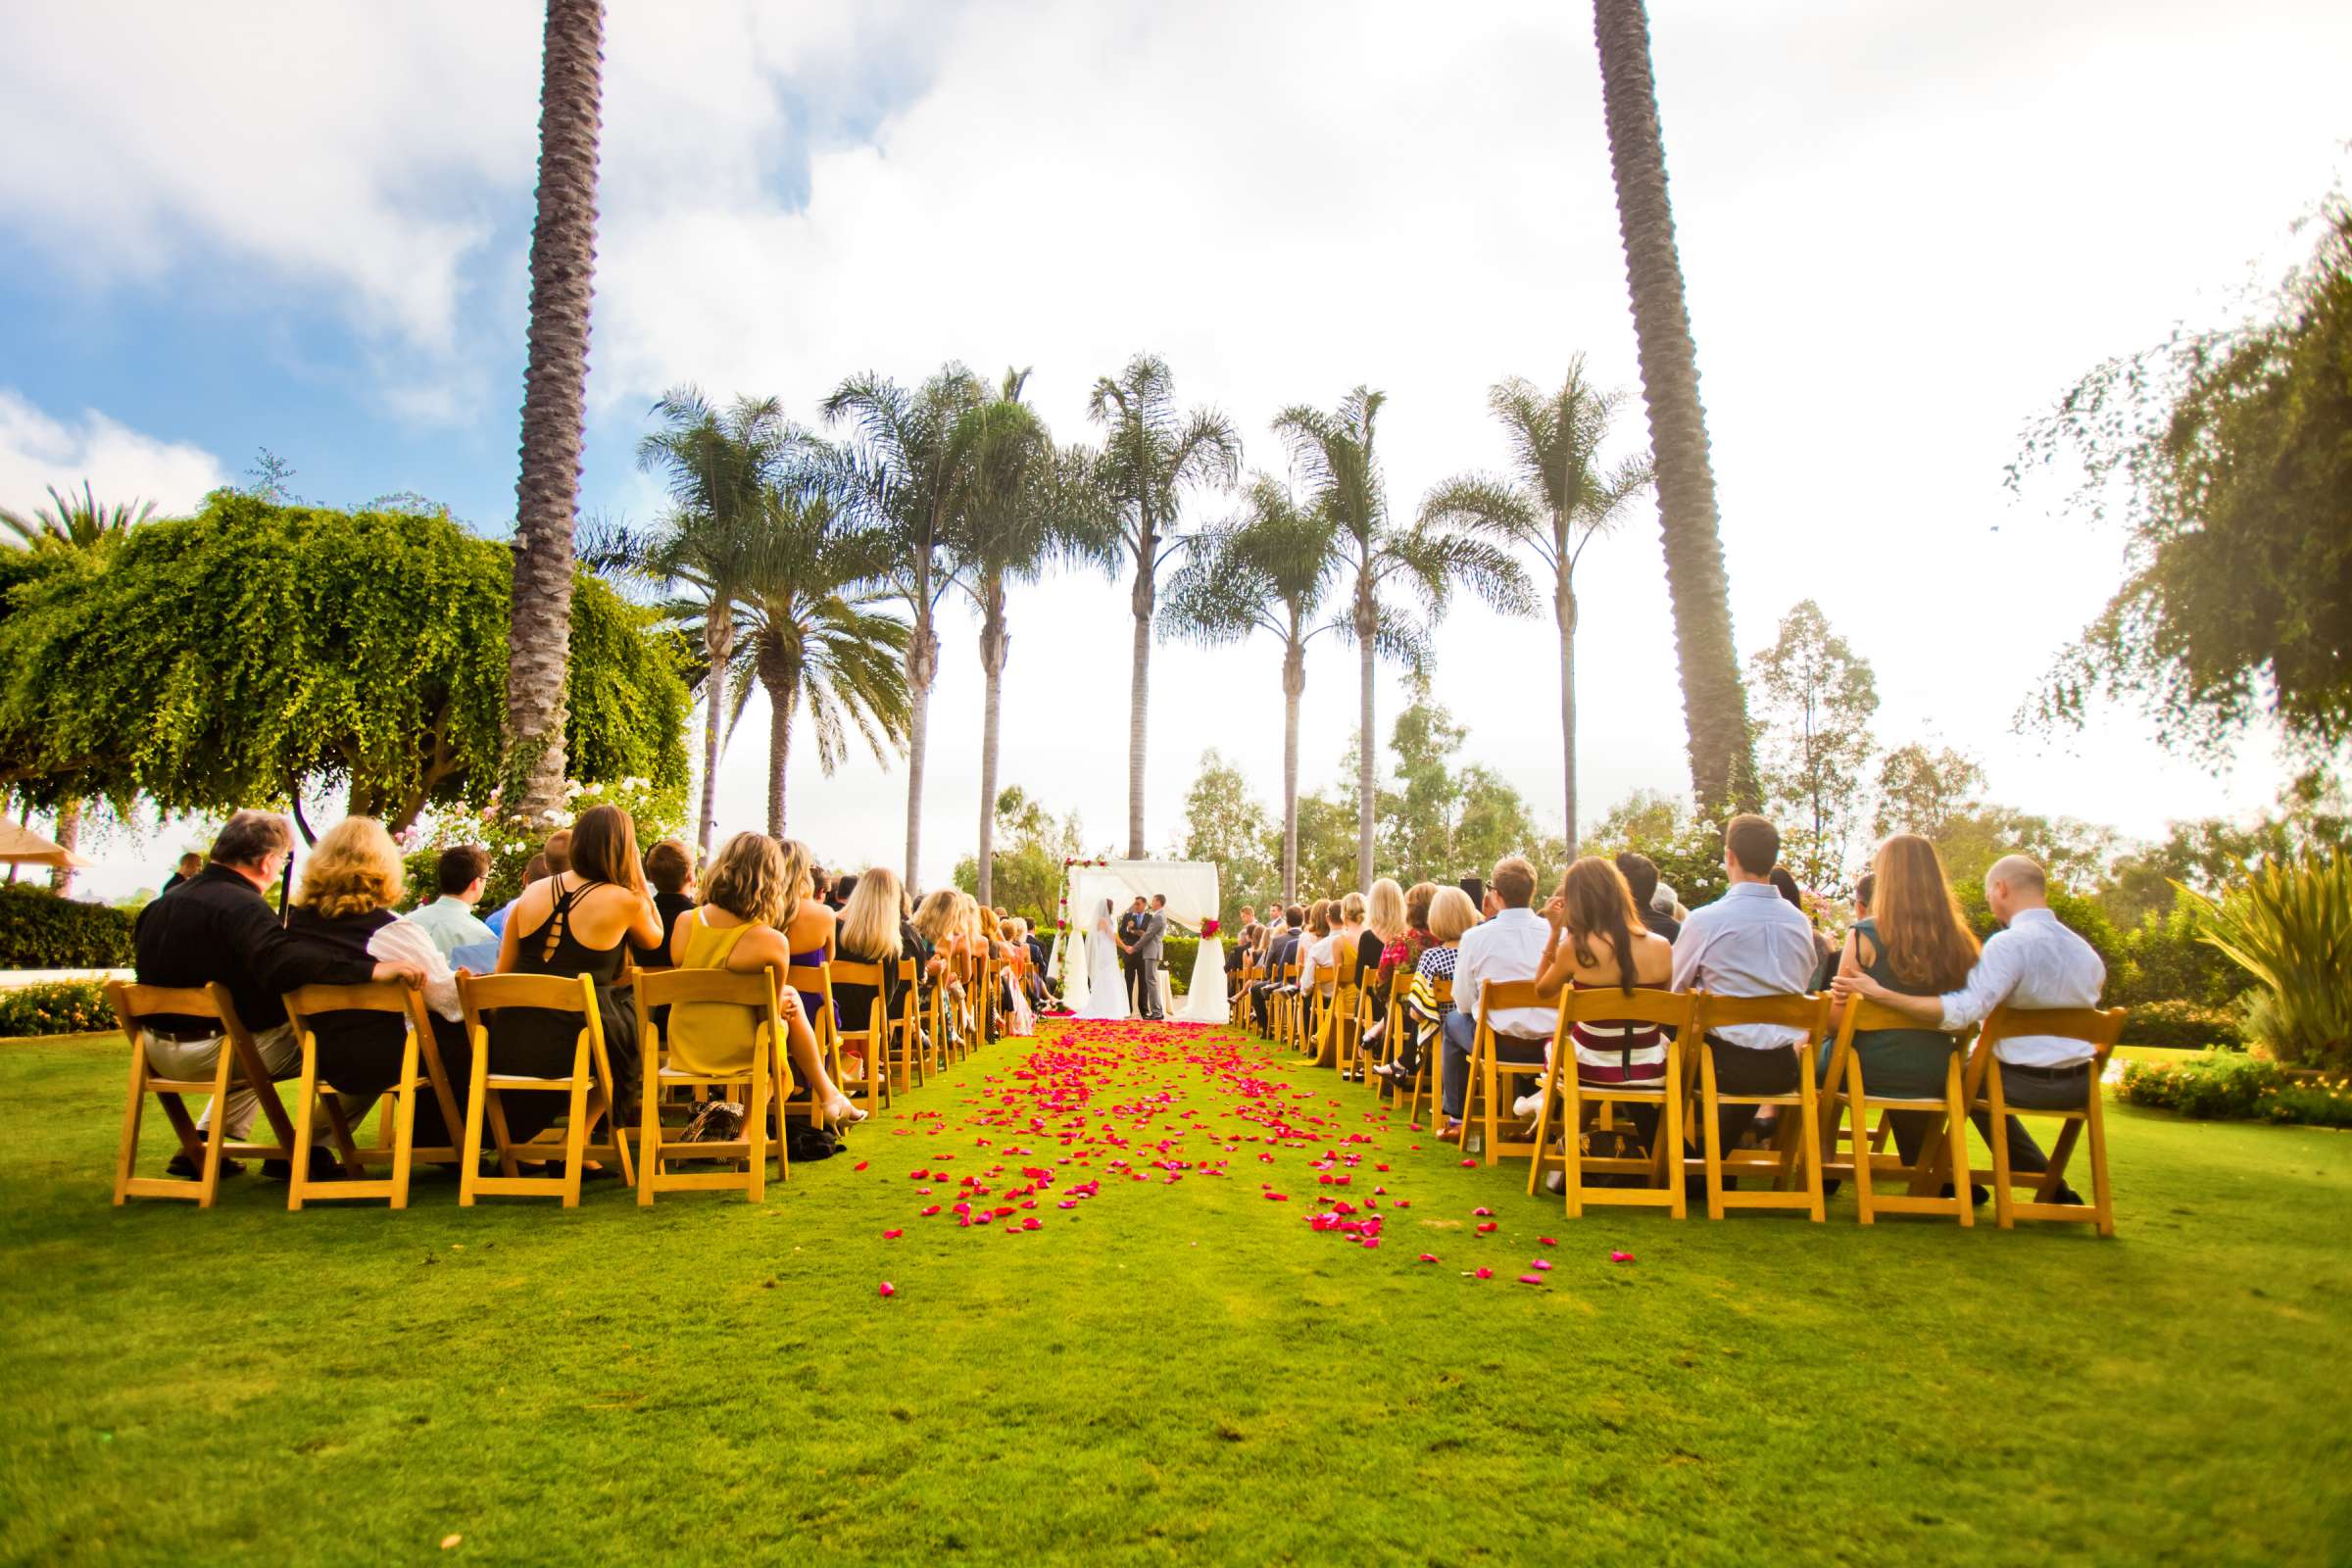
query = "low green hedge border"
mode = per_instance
[
  {"x": 39, "y": 930},
  {"x": 2232, "y": 1085}
]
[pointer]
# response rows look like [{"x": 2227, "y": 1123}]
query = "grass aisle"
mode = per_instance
[{"x": 1155, "y": 1361}]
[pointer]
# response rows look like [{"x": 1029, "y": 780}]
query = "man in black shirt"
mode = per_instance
[
  {"x": 216, "y": 927},
  {"x": 1641, "y": 875}
]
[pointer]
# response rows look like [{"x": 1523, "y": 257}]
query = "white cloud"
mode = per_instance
[{"x": 120, "y": 465}]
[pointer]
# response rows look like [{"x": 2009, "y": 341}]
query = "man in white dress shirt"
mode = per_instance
[
  {"x": 1507, "y": 947},
  {"x": 449, "y": 920},
  {"x": 1750, "y": 943},
  {"x": 2033, "y": 962}
]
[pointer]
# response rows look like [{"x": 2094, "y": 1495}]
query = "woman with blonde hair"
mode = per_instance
[
  {"x": 738, "y": 928},
  {"x": 1451, "y": 913},
  {"x": 996, "y": 939},
  {"x": 351, "y": 884}
]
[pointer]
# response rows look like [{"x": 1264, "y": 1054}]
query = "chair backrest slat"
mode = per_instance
[
  {"x": 1793, "y": 1010},
  {"x": 666, "y": 988},
  {"x": 1642, "y": 1005}
]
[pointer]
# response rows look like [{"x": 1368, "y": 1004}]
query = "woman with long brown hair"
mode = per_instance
[
  {"x": 1915, "y": 943},
  {"x": 1608, "y": 946}
]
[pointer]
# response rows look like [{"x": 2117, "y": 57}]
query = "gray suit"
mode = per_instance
[{"x": 1149, "y": 931}]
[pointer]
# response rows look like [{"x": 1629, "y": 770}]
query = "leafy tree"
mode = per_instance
[
  {"x": 1723, "y": 770},
  {"x": 1336, "y": 455},
  {"x": 291, "y": 648},
  {"x": 903, "y": 472},
  {"x": 1224, "y": 823},
  {"x": 1033, "y": 846},
  {"x": 1273, "y": 569},
  {"x": 2231, "y": 452},
  {"x": 1643, "y": 816},
  {"x": 1817, "y": 697},
  {"x": 723, "y": 471},
  {"x": 2310, "y": 818},
  {"x": 1151, "y": 453},
  {"x": 1326, "y": 846},
  {"x": 1687, "y": 852},
  {"x": 1924, "y": 792},
  {"x": 1558, "y": 499},
  {"x": 2074, "y": 853},
  {"x": 555, "y": 381}
]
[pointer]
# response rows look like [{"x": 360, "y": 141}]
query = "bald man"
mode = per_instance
[{"x": 2033, "y": 962}]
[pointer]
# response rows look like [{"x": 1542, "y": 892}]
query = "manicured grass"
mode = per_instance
[{"x": 1169, "y": 1370}]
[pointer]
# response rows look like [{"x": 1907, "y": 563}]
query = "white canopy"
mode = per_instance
[{"x": 1191, "y": 887}]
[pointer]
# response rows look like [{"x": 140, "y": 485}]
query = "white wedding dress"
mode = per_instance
[{"x": 1105, "y": 983}]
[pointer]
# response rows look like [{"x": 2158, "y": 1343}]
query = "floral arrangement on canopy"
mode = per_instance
[
  {"x": 1209, "y": 928},
  {"x": 1061, "y": 916}
]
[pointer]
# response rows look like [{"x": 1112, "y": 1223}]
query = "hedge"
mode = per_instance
[
  {"x": 2182, "y": 1026},
  {"x": 39, "y": 930},
  {"x": 2231, "y": 1085},
  {"x": 55, "y": 1008}
]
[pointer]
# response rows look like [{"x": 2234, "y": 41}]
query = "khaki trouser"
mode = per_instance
[{"x": 186, "y": 1059}]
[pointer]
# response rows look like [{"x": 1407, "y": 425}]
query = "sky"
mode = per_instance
[{"x": 1906, "y": 228}]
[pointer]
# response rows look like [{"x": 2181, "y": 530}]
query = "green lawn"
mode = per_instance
[{"x": 1170, "y": 1370}]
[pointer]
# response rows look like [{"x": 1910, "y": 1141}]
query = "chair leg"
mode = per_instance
[
  {"x": 216, "y": 1135},
  {"x": 575, "y": 1125},
  {"x": 469, "y": 1157},
  {"x": 755, "y": 1128},
  {"x": 1572, "y": 1134},
  {"x": 1670, "y": 1150},
  {"x": 127, "y": 1158},
  {"x": 1808, "y": 1148},
  {"x": 404, "y": 1124},
  {"x": 2004, "y": 1206},
  {"x": 1534, "y": 1166},
  {"x": 1865, "y": 1195},
  {"x": 298, "y": 1169},
  {"x": 648, "y": 1130},
  {"x": 2102, "y": 1196},
  {"x": 1711, "y": 1110},
  {"x": 1956, "y": 1120},
  {"x": 1494, "y": 1130}
]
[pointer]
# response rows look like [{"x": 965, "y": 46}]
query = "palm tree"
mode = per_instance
[
  {"x": 1556, "y": 501},
  {"x": 1723, "y": 761},
  {"x": 554, "y": 382},
  {"x": 1272, "y": 569},
  {"x": 902, "y": 475},
  {"x": 811, "y": 632},
  {"x": 79, "y": 524},
  {"x": 1151, "y": 452},
  {"x": 1008, "y": 520},
  {"x": 723, "y": 471},
  {"x": 1334, "y": 453},
  {"x": 75, "y": 523}
]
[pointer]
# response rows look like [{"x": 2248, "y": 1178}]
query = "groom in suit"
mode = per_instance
[
  {"x": 1151, "y": 928},
  {"x": 1131, "y": 931}
]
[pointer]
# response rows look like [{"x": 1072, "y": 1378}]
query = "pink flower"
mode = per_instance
[
  {"x": 1468, "y": 1163},
  {"x": 929, "y": 1212},
  {"x": 1483, "y": 1214},
  {"x": 1546, "y": 1241},
  {"x": 1542, "y": 1263},
  {"x": 1276, "y": 1197}
]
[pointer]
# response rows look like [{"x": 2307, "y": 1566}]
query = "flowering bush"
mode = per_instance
[
  {"x": 2231, "y": 1085},
  {"x": 55, "y": 1008},
  {"x": 513, "y": 838}
]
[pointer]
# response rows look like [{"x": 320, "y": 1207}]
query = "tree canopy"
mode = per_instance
[{"x": 257, "y": 652}]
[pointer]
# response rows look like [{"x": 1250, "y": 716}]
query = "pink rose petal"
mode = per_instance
[
  {"x": 888, "y": 1288},
  {"x": 892, "y": 1236},
  {"x": 1485, "y": 1273},
  {"x": 1621, "y": 1257},
  {"x": 1530, "y": 1279}
]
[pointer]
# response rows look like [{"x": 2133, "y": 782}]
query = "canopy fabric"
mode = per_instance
[
  {"x": 21, "y": 845},
  {"x": 1192, "y": 891}
]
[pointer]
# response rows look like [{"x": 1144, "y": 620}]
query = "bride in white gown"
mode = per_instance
[{"x": 1105, "y": 983}]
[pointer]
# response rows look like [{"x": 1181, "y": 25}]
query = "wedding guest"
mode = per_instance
[
  {"x": 1507, "y": 947},
  {"x": 1380, "y": 949},
  {"x": 1281, "y": 952},
  {"x": 1826, "y": 972},
  {"x": 575, "y": 922},
  {"x": 1451, "y": 915},
  {"x": 449, "y": 920},
  {"x": 809, "y": 925},
  {"x": 351, "y": 886},
  {"x": 1641, "y": 876},
  {"x": 669, "y": 872},
  {"x": 1824, "y": 953},
  {"x": 739, "y": 927},
  {"x": 534, "y": 869},
  {"x": 218, "y": 928},
  {"x": 937, "y": 925},
  {"x": 2033, "y": 962},
  {"x": 1606, "y": 946},
  {"x": 190, "y": 865},
  {"x": 844, "y": 888},
  {"x": 1748, "y": 943},
  {"x": 556, "y": 852},
  {"x": 874, "y": 931}
]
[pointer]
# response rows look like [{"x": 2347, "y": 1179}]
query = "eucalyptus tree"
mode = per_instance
[
  {"x": 1722, "y": 750},
  {"x": 554, "y": 382},
  {"x": 1020, "y": 507},
  {"x": 904, "y": 472},
  {"x": 723, "y": 471},
  {"x": 1558, "y": 497},
  {"x": 1151, "y": 452},
  {"x": 1274, "y": 568},
  {"x": 1336, "y": 455}
]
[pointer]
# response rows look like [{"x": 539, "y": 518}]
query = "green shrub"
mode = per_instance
[
  {"x": 2289, "y": 927},
  {"x": 39, "y": 930},
  {"x": 2184, "y": 1026},
  {"x": 55, "y": 1008},
  {"x": 2318, "y": 1102},
  {"x": 2166, "y": 959},
  {"x": 2218, "y": 1084}
]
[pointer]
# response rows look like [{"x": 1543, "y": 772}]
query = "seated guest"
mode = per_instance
[
  {"x": 449, "y": 920},
  {"x": 575, "y": 922},
  {"x": 349, "y": 887},
  {"x": 1748, "y": 943},
  {"x": 738, "y": 928},
  {"x": 1606, "y": 947},
  {"x": 1823, "y": 975},
  {"x": 1451, "y": 914},
  {"x": 533, "y": 870},
  {"x": 669, "y": 872},
  {"x": 1508, "y": 946},
  {"x": 1785, "y": 883},
  {"x": 844, "y": 888},
  {"x": 1380, "y": 949},
  {"x": 1282, "y": 951},
  {"x": 216, "y": 927},
  {"x": 938, "y": 926},
  {"x": 872, "y": 932},
  {"x": 190, "y": 865},
  {"x": 809, "y": 924},
  {"x": 1641, "y": 876},
  {"x": 997, "y": 942},
  {"x": 2033, "y": 962},
  {"x": 1321, "y": 916}
]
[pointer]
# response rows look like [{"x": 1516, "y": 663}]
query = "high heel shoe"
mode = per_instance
[{"x": 849, "y": 1115}]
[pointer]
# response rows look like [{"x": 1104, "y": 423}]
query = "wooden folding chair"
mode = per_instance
[
  {"x": 1238, "y": 1006},
  {"x": 1425, "y": 1075},
  {"x": 1796, "y": 1152},
  {"x": 1333, "y": 1014},
  {"x": 2097, "y": 1029},
  {"x": 1284, "y": 1005},
  {"x": 872, "y": 1083},
  {"x": 420, "y": 1068},
  {"x": 764, "y": 1084},
  {"x": 1390, "y": 1037},
  {"x": 889, "y": 1048},
  {"x": 1663, "y": 1162},
  {"x": 240, "y": 1067},
  {"x": 1489, "y": 1074},
  {"x": 1348, "y": 1006},
  {"x": 589, "y": 1087},
  {"x": 1843, "y": 1089}
]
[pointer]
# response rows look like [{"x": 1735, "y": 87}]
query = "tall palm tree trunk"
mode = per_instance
[
  {"x": 783, "y": 699},
  {"x": 1294, "y": 686},
  {"x": 1364, "y": 770},
  {"x": 554, "y": 403},
  {"x": 1138, "y": 697},
  {"x": 1565, "y": 606},
  {"x": 1714, "y": 703},
  {"x": 994, "y": 646},
  {"x": 922, "y": 667},
  {"x": 719, "y": 640}
]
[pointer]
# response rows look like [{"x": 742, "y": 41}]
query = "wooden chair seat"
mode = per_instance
[
  {"x": 421, "y": 1069},
  {"x": 763, "y": 1083},
  {"x": 1795, "y": 1162},
  {"x": 1865, "y": 1165},
  {"x": 241, "y": 1067},
  {"x": 1489, "y": 1072},
  {"x": 1662, "y": 1164},
  {"x": 589, "y": 1086}
]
